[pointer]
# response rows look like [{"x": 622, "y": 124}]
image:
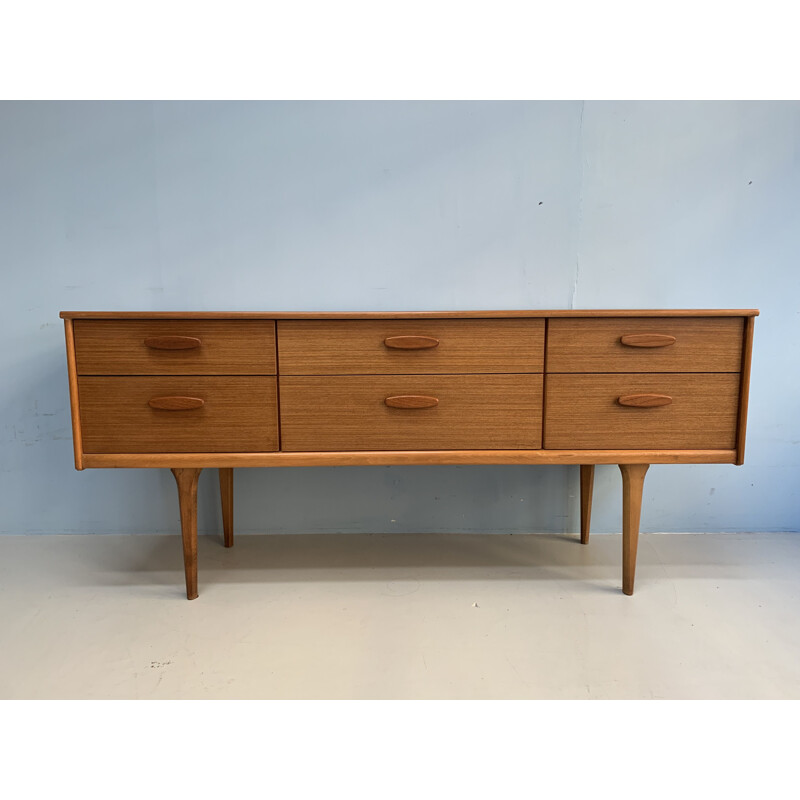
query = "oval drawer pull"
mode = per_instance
[
  {"x": 175, "y": 403},
  {"x": 172, "y": 342},
  {"x": 647, "y": 340},
  {"x": 411, "y": 401},
  {"x": 410, "y": 342},
  {"x": 644, "y": 400}
]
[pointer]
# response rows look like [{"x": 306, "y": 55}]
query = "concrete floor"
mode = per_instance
[{"x": 400, "y": 616}]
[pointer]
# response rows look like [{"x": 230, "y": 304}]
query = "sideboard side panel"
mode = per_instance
[
  {"x": 72, "y": 371},
  {"x": 744, "y": 388}
]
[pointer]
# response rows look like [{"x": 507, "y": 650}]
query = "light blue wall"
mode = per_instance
[{"x": 388, "y": 205}]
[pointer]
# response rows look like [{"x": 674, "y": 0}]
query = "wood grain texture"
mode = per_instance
[
  {"x": 319, "y": 347},
  {"x": 238, "y": 413},
  {"x": 74, "y": 402},
  {"x": 407, "y": 457},
  {"x": 701, "y": 345},
  {"x": 632, "y": 486},
  {"x": 349, "y": 413},
  {"x": 744, "y": 389},
  {"x": 231, "y": 347},
  {"x": 494, "y": 314},
  {"x": 587, "y": 489},
  {"x": 226, "y": 496},
  {"x": 186, "y": 479},
  {"x": 582, "y": 412}
]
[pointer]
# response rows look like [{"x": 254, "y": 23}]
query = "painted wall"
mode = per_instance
[{"x": 387, "y": 205}]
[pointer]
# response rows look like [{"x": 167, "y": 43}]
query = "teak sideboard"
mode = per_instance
[{"x": 193, "y": 390}]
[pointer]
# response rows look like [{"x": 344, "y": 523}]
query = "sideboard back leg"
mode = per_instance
[
  {"x": 587, "y": 485},
  {"x": 226, "y": 493},
  {"x": 632, "y": 485},
  {"x": 187, "y": 498}
]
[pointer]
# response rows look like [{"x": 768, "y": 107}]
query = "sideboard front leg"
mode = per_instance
[
  {"x": 226, "y": 493},
  {"x": 632, "y": 485},
  {"x": 187, "y": 498},
  {"x": 587, "y": 485}
]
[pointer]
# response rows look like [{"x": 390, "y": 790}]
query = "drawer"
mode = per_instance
[
  {"x": 584, "y": 412},
  {"x": 655, "y": 344},
  {"x": 237, "y": 414},
  {"x": 470, "y": 412},
  {"x": 175, "y": 347},
  {"x": 390, "y": 347}
]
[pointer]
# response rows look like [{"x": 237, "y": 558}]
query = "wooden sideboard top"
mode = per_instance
[{"x": 624, "y": 312}]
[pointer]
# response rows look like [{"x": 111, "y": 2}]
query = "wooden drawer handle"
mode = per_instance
[
  {"x": 172, "y": 342},
  {"x": 411, "y": 401},
  {"x": 175, "y": 403},
  {"x": 647, "y": 340},
  {"x": 644, "y": 400},
  {"x": 411, "y": 342}
]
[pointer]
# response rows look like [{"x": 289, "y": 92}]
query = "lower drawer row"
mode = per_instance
[{"x": 408, "y": 412}]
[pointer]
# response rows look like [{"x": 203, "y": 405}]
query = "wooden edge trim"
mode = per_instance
[
  {"x": 497, "y": 314},
  {"x": 744, "y": 388},
  {"x": 400, "y": 457},
  {"x": 72, "y": 372},
  {"x": 544, "y": 351},
  {"x": 277, "y": 409}
]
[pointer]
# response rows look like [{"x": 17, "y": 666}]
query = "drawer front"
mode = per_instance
[
  {"x": 640, "y": 344},
  {"x": 391, "y": 347},
  {"x": 442, "y": 412},
  {"x": 584, "y": 411},
  {"x": 175, "y": 347},
  {"x": 162, "y": 415}
]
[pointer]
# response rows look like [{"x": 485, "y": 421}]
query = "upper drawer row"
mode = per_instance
[{"x": 353, "y": 347}]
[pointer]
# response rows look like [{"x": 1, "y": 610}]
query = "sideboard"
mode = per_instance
[{"x": 188, "y": 391}]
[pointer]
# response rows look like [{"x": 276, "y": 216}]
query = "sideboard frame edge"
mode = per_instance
[{"x": 407, "y": 457}]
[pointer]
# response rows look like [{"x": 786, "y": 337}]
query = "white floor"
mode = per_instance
[{"x": 400, "y": 616}]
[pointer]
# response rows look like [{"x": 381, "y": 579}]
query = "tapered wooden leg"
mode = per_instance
[
  {"x": 587, "y": 484},
  {"x": 226, "y": 493},
  {"x": 632, "y": 485},
  {"x": 187, "y": 498}
]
